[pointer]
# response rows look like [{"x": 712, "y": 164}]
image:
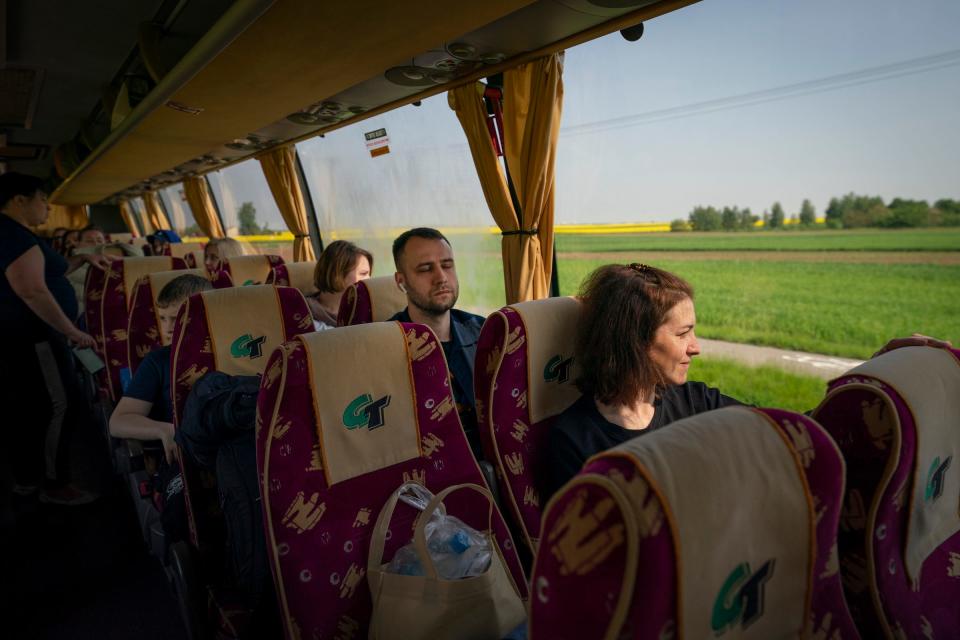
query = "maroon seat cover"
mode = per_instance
[
  {"x": 874, "y": 526},
  {"x": 583, "y": 604},
  {"x": 318, "y": 535}
]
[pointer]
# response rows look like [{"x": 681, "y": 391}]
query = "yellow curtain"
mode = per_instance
[
  {"x": 126, "y": 211},
  {"x": 280, "y": 170},
  {"x": 532, "y": 106},
  {"x": 153, "y": 211},
  {"x": 70, "y": 216},
  {"x": 198, "y": 197},
  {"x": 533, "y": 98},
  {"x": 467, "y": 102}
]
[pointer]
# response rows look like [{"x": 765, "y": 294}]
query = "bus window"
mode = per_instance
[
  {"x": 178, "y": 211},
  {"x": 427, "y": 179}
]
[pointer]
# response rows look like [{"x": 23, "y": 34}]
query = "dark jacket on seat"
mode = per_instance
[{"x": 220, "y": 407}]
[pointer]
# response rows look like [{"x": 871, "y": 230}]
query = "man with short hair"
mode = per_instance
[
  {"x": 144, "y": 412},
  {"x": 91, "y": 236},
  {"x": 427, "y": 274}
]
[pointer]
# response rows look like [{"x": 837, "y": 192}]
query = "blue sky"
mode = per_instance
[{"x": 893, "y": 137}]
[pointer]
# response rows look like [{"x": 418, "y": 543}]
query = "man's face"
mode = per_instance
[
  {"x": 428, "y": 274},
  {"x": 92, "y": 238},
  {"x": 35, "y": 210},
  {"x": 168, "y": 318}
]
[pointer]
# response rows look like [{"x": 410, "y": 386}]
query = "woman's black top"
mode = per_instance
[
  {"x": 581, "y": 431},
  {"x": 16, "y": 319}
]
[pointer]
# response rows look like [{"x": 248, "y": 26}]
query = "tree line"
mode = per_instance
[{"x": 848, "y": 212}]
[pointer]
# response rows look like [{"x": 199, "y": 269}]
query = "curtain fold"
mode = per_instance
[
  {"x": 280, "y": 169},
  {"x": 198, "y": 197},
  {"x": 532, "y": 106},
  {"x": 70, "y": 216},
  {"x": 126, "y": 212},
  {"x": 153, "y": 211},
  {"x": 467, "y": 103}
]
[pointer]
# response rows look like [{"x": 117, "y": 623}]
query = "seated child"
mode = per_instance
[{"x": 145, "y": 411}]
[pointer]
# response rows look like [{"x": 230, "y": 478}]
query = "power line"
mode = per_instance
[{"x": 809, "y": 87}]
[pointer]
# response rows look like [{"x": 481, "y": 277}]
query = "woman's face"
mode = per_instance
[
  {"x": 675, "y": 343},
  {"x": 211, "y": 258},
  {"x": 360, "y": 272}
]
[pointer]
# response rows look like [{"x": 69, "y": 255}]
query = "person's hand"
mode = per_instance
[
  {"x": 81, "y": 339},
  {"x": 916, "y": 340},
  {"x": 169, "y": 446},
  {"x": 99, "y": 261}
]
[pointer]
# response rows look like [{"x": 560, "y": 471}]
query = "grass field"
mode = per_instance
[
  {"x": 760, "y": 386},
  {"x": 830, "y": 308},
  {"x": 941, "y": 239},
  {"x": 827, "y": 306}
]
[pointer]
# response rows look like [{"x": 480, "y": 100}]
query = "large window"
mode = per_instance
[
  {"x": 427, "y": 179},
  {"x": 178, "y": 211},
  {"x": 139, "y": 211}
]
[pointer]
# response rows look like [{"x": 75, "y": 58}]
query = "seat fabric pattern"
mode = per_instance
[
  {"x": 192, "y": 357},
  {"x": 882, "y": 599},
  {"x": 92, "y": 314},
  {"x": 373, "y": 300},
  {"x": 143, "y": 328},
  {"x": 510, "y": 438},
  {"x": 319, "y": 535},
  {"x": 245, "y": 271},
  {"x": 610, "y": 592},
  {"x": 194, "y": 259},
  {"x": 294, "y": 274},
  {"x": 115, "y": 311}
]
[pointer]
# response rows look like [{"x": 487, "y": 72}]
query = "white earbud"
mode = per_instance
[{"x": 402, "y": 288}]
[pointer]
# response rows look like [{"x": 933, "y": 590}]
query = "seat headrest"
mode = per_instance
[
  {"x": 181, "y": 249},
  {"x": 550, "y": 328},
  {"x": 248, "y": 270},
  {"x": 363, "y": 394},
  {"x": 245, "y": 325},
  {"x": 300, "y": 276},
  {"x": 733, "y": 491},
  {"x": 135, "y": 268},
  {"x": 371, "y": 300},
  {"x": 928, "y": 380}
]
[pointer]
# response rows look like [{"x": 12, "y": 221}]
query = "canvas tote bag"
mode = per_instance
[{"x": 484, "y": 607}]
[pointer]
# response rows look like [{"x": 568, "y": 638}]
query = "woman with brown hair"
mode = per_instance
[
  {"x": 340, "y": 265},
  {"x": 634, "y": 344}
]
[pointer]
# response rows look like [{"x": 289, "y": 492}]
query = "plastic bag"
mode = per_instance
[{"x": 457, "y": 549}]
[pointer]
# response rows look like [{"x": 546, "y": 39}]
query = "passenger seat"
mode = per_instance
[
  {"x": 294, "y": 274},
  {"x": 524, "y": 378},
  {"x": 243, "y": 271},
  {"x": 371, "y": 300},
  {"x": 344, "y": 418},
  {"x": 896, "y": 419},
  {"x": 720, "y": 525},
  {"x": 143, "y": 328}
]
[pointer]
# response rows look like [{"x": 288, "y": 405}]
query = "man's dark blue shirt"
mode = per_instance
[
  {"x": 151, "y": 383},
  {"x": 461, "y": 351}
]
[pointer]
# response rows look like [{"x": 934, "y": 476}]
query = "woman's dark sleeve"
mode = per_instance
[
  {"x": 564, "y": 460},
  {"x": 713, "y": 399}
]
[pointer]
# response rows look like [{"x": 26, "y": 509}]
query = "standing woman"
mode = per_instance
[{"x": 37, "y": 310}]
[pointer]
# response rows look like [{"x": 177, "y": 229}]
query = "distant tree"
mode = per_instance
[
  {"x": 776, "y": 216},
  {"x": 808, "y": 215},
  {"x": 947, "y": 212},
  {"x": 908, "y": 213},
  {"x": 834, "y": 214},
  {"x": 766, "y": 219},
  {"x": 747, "y": 219},
  {"x": 705, "y": 219},
  {"x": 862, "y": 211},
  {"x": 730, "y": 218},
  {"x": 679, "y": 225},
  {"x": 247, "y": 217}
]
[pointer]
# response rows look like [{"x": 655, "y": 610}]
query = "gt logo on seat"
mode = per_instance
[
  {"x": 364, "y": 411},
  {"x": 935, "y": 476},
  {"x": 246, "y": 346},
  {"x": 740, "y": 600},
  {"x": 557, "y": 369}
]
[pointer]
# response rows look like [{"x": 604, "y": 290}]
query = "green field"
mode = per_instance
[
  {"x": 830, "y": 308},
  {"x": 940, "y": 239},
  {"x": 760, "y": 386}
]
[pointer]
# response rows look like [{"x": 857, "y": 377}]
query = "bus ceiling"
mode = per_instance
[{"x": 267, "y": 73}]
